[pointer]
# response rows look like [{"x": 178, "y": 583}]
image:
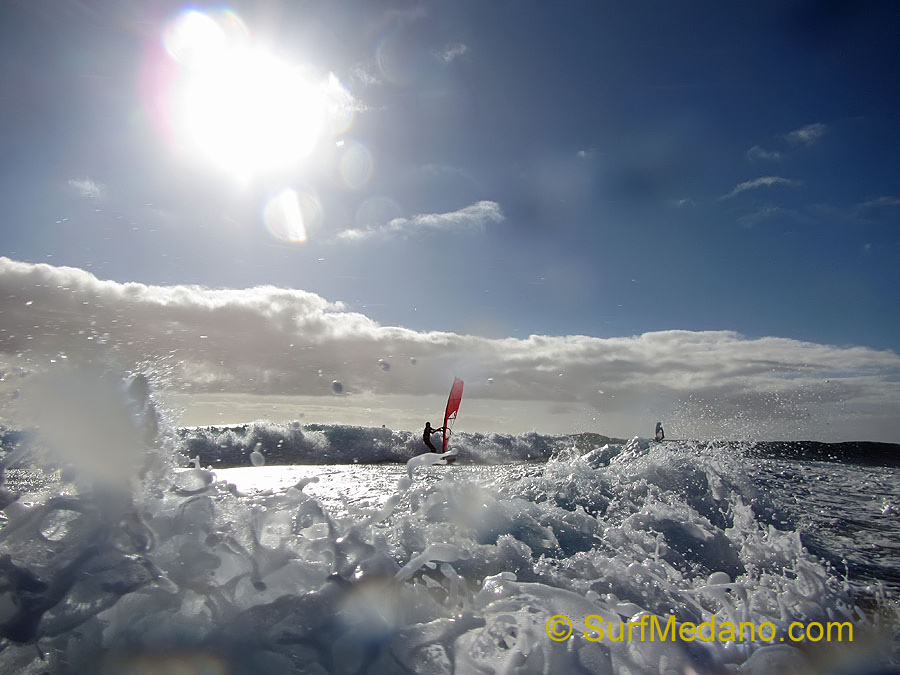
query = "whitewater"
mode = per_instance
[{"x": 127, "y": 545}]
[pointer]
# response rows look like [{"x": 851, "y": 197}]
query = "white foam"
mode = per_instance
[{"x": 378, "y": 568}]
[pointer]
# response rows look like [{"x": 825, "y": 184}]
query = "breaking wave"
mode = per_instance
[{"x": 124, "y": 557}]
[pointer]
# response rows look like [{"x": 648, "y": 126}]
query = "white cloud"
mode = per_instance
[
  {"x": 756, "y": 153},
  {"x": 272, "y": 341},
  {"x": 808, "y": 135},
  {"x": 765, "y": 213},
  {"x": 880, "y": 202},
  {"x": 762, "y": 182},
  {"x": 363, "y": 74},
  {"x": 355, "y": 234},
  {"x": 684, "y": 203},
  {"x": 474, "y": 216},
  {"x": 340, "y": 103},
  {"x": 452, "y": 52},
  {"x": 88, "y": 188},
  {"x": 798, "y": 138}
]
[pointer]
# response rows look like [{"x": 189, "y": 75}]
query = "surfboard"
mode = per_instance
[{"x": 456, "y": 392}]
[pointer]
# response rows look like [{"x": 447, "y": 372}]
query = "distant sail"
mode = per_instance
[{"x": 456, "y": 392}]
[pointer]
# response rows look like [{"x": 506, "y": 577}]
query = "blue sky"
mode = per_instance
[{"x": 493, "y": 170}]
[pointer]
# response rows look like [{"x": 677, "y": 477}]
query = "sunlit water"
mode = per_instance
[
  {"x": 389, "y": 568},
  {"x": 844, "y": 511}
]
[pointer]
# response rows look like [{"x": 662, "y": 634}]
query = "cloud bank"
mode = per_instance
[{"x": 275, "y": 341}]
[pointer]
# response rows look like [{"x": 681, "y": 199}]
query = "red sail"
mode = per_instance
[{"x": 452, "y": 408}]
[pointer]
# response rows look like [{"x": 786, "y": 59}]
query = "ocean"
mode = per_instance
[{"x": 134, "y": 547}]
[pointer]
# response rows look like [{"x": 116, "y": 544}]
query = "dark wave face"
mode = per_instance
[{"x": 293, "y": 443}]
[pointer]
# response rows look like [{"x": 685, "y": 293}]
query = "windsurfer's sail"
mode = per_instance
[{"x": 452, "y": 408}]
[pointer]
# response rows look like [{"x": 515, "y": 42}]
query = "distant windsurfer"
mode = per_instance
[
  {"x": 660, "y": 434},
  {"x": 426, "y": 435}
]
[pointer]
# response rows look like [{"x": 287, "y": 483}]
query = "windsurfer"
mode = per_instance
[{"x": 426, "y": 435}]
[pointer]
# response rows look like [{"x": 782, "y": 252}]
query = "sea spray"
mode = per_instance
[{"x": 457, "y": 569}]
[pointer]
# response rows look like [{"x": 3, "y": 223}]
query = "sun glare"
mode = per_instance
[{"x": 236, "y": 104}]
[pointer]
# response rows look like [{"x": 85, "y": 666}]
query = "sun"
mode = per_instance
[{"x": 234, "y": 103}]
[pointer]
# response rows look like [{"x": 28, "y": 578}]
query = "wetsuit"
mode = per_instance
[{"x": 426, "y": 436}]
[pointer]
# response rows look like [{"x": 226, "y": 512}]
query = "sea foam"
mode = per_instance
[{"x": 455, "y": 569}]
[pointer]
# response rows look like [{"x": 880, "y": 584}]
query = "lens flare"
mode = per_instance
[
  {"x": 181, "y": 663},
  {"x": 355, "y": 165},
  {"x": 290, "y": 214},
  {"x": 401, "y": 57}
]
